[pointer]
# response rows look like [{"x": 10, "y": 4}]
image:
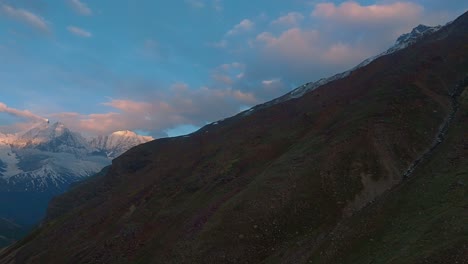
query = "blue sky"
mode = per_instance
[{"x": 168, "y": 67}]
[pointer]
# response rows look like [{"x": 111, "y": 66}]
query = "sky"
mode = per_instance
[{"x": 165, "y": 68}]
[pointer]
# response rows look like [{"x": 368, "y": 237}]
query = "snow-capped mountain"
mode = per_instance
[
  {"x": 44, "y": 161},
  {"x": 402, "y": 42},
  {"x": 53, "y": 138},
  {"x": 118, "y": 142},
  {"x": 51, "y": 156}
]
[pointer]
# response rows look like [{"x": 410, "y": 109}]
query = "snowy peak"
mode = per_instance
[
  {"x": 408, "y": 39},
  {"x": 131, "y": 135},
  {"x": 53, "y": 138},
  {"x": 417, "y": 32},
  {"x": 118, "y": 142},
  {"x": 44, "y": 132}
]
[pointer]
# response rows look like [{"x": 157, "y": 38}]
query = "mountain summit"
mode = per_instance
[{"x": 53, "y": 138}]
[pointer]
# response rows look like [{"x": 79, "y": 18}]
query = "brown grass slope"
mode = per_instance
[{"x": 288, "y": 183}]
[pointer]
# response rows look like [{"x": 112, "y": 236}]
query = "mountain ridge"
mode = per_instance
[{"x": 48, "y": 142}]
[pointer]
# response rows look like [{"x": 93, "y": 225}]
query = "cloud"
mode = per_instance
[
  {"x": 294, "y": 44},
  {"x": 128, "y": 106},
  {"x": 243, "y": 26},
  {"x": 21, "y": 113},
  {"x": 27, "y": 17},
  {"x": 300, "y": 55},
  {"x": 226, "y": 74},
  {"x": 16, "y": 127},
  {"x": 222, "y": 78},
  {"x": 291, "y": 19},
  {"x": 80, "y": 7},
  {"x": 353, "y": 12},
  {"x": 332, "y": 39},
  {"x": 79, "y": 32},
  {"x": 159, "y": 113}
]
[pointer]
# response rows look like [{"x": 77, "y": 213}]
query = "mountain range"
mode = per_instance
[
  {"x": 367, "y": 166},
  {"x": 42, "y": 162}
]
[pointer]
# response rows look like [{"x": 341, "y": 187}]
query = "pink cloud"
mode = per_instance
[
  {"x": 225, "y": 74},
  {"x": 26, "y": 114},
  {"x": 301, "y": 55},
  {"x": 16, "y": 127},
  {"x": 293, "y": 44},
  {"x": 182, "y": 106},
  {"x": 128, "y": 105},
  {"x": 244, "y": 97},
  {"x": 291, "y": 19},
  {"x": 222, "y": 78},
  {"x": 353, "y": 12}
]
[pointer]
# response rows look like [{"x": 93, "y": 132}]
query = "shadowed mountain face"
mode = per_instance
[{"x": 315, "y": 179}]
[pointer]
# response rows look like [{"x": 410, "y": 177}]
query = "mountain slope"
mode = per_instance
[
  {"x": 292, "y": 182},
  {"x": 424, "y": 220}
]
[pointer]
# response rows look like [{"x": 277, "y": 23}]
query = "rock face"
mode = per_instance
[{"x": 313, "y": 179}]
